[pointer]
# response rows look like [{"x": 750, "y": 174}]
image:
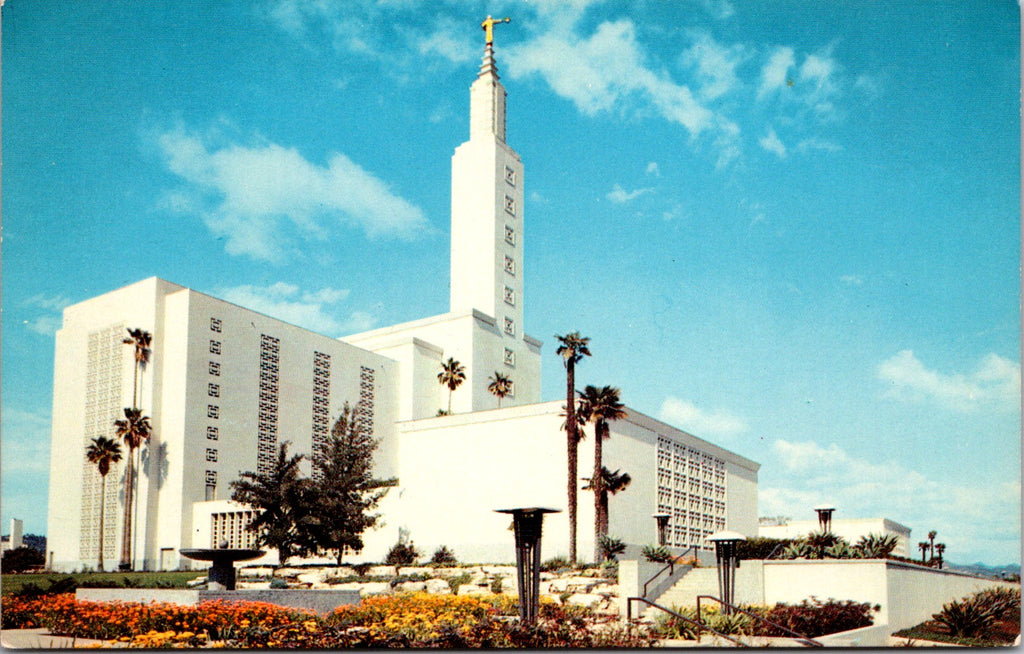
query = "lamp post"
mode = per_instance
[
  {"x": 662, "y": 519},
  {"x": 825, "y": 512},
  {"x": 727, "y": 558},
  {"x": 528, "y": 524}
]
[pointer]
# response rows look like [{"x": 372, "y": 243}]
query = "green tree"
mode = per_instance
[
  {"x": 284, "y": 503},
  {"x": 572, "y": 349},
  {"x": 345, "y": 490},
  {"x": 452, "y": 375},
  {"x": 612, "y": 483},
  {"x": 135, "y": 429},
  {"x": 924, "y": 547},
  {"x": 602, "y": 406},
  {"x": 500, "y": 386},
  {"x": 21, "y": 559},
  {"x": 931, "y": 542},
  {"x": 940, "y": 548},
  {"x": 102, "y": 452}
]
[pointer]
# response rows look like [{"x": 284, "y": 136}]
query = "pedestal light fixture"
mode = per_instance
[
  {"x": 528, "y": 524},
  {"x": 824, "y": 512},
  {"x": 727, "y": 559},
  {"x": 662, "y": 519}
]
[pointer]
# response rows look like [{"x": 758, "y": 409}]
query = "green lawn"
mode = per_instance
[{"x": 12, "y": 583}]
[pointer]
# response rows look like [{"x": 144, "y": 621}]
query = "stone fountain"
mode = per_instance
[{"x": 222, "y": 571}]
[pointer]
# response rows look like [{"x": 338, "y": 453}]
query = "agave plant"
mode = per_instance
[
  {"x": 797, "y": 550},
  {"x": 839, "y": 550},
  {"x": 876, "y": 546},
  {"x": 967, "y": 618},
  {"x": 659, "y": 554}
]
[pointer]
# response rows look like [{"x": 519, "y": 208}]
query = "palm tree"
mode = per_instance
[
  {"x": 500, "y": 386},
  {"x": 940, "y": 548},
  {"x": 135, "y": 429},
  {"x": 602, "y": 405},
  {"x": 572, "y": 350},
  {"x": 611, "y": 484},
  {"x": 103, "y": 452},
  {"x": 142, "y": 340},
  {"x": 931, "y": 541},
  {"x": 452, "y": 375},
  {"x": 923, "y": 545}
]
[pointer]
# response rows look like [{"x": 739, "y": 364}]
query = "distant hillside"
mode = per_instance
[
  {"x": 983, "y": 570},
  {"x": 31, "y": 540}
]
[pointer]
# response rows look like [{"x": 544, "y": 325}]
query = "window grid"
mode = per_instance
[
  {"x": 692, "y": 491},
  {"x": 321, "y": 402},
  {"x": 266, "y": 447}
]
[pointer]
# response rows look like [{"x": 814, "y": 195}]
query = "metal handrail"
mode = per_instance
[
  {"x": 670, "y": 567},
  {"x": 777, "y": 548},
  {"x": 698, "y": 625},
  {"x": 800, "y": 637}
]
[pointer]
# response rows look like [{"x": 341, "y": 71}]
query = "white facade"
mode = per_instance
[
  {"x": 852, "y": 529},
  {"x": 226, "y": 385},
  {"x": 516, "y": 457}
]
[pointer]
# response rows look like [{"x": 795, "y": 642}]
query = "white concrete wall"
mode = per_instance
[
  {"x": 517, "y": 457},
  {"x": 852, "y": 529},
  {"x": 915, "y": 593}
]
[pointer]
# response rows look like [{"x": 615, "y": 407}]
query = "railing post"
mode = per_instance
[{"x": 699, "y": 620}]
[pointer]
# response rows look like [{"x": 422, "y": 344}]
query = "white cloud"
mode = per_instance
[
  {"x": 605, "y": 72},
  {"x": 265, "y": 197},
  {"x": 652, "y": 169},
  {"x": 969, "y": 518},
  {"x": 772, "y": 143},
  {"x": 697, "y": 421},
  {"x": 995, "y": 383},
  {"x": 48, "y": 302},
  {"x": 621, "y": 196},
  {"x": 775, "y": 73},
  {"x": 715, "y": 65},
  {"x": 852, "y": 280},
  {"x": 46, "y": 325},
  {"x": 26, "y": 441},
  {"x": 314, "y": 310}
]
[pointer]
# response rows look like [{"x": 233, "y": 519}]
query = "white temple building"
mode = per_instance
[{"x": 226, "y": 385}]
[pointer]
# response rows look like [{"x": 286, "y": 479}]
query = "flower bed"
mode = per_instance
[{"x": 406, "y": 620}]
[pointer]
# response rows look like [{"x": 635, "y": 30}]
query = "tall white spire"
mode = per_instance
[
  {"x": 487, "y": 223},
  {"x": 487, "y": 101}
]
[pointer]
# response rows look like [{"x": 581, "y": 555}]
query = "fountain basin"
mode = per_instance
[{"x": 222, "y": 571}]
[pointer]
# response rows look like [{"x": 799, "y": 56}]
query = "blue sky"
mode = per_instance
[{"x": 791, "y": 228}]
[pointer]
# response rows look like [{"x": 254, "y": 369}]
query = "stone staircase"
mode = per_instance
[{"x": 698, "y": 581}]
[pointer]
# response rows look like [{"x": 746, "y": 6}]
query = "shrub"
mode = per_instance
[
  {"x": 56, "y": 586},
  {"x": 967, "y": 619},
  {"x": 278, "y": 583},
  {"x": 443, "y": 557},
  {"x": 816, "y": 618},
  {"x": 555, "y": 564},
  {"x": 458, "y": 580},
  {"x": 760, "y": 547},
  {"x": 361, "y": 568},
  {"x": 21, "y": 559},
  {"x": 496, "y": 585},
  {"x": 401, "y": 554}
]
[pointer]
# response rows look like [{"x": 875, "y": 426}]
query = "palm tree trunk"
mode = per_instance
[
  {"x": 103, "y": 500},
  {"x": 126, "y": 537},
  {"x": 597, "y": 483},
  {"x": 449, "y": 401},
  {"x": 570, "y": 428}
]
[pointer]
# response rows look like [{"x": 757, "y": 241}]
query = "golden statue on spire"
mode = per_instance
[{"x": 488, "y": 26}]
